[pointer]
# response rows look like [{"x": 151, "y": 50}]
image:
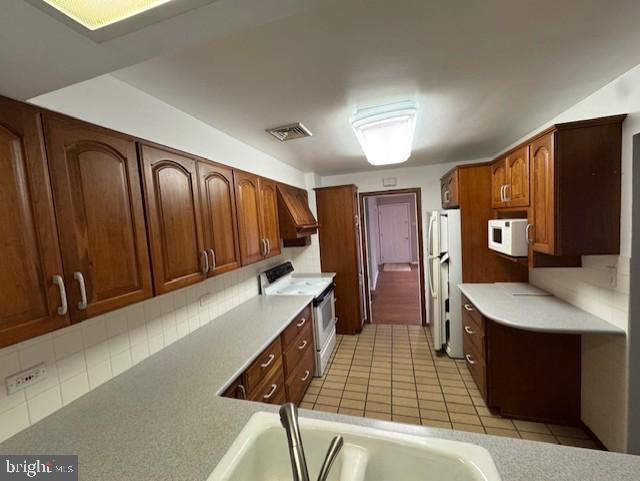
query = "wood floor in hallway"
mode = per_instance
[{"x": 396, "y": 299}]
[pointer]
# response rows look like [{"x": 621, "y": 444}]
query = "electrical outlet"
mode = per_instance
[
  {"x": 26, "y": 378},
  {"x": 205, "y": 299}
]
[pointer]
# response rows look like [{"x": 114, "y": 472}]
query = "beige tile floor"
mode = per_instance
[{"x": 390, "y": 372}]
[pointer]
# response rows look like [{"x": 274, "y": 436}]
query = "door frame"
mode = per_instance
[
  {"x": 365, "y": 251},
  {"x": 407, "y": 205}
]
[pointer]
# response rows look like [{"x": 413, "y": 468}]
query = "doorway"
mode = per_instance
[{"x": 392, "y": 251}]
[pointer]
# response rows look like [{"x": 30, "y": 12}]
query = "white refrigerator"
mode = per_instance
[{"x": 444, "y": 258}]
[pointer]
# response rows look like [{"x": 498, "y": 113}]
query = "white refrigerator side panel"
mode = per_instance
[{"x": 454, "y": 343}]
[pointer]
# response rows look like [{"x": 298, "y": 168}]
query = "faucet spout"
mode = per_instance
[{"x": 289, "y": 421}]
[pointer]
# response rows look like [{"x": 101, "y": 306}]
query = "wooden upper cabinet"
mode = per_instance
[
  {"x": 542, "y": 231},
  {"x": 29, "y": 299},
  {"x": 173, "y": 212},
  {"x": 295, "y": 218},
  {"x": 219, "y": 220},
  {"x": 449, "y": 190},
  {"x": 269, "y": 216},
  {"x": 252, "y": 246},
  {"x": 517, "y": 191},
  {"x": 498, "y": 183},
  {"x": 98, "y": 204}
]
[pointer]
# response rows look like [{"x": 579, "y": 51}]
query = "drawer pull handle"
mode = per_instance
[
  {"x": 303, "y": 345},
  {"x": 469, "y": 308},
  {"x": 301, "y": 323},
  {"x": 469, "y": 331},
  {"x": 269, "y": 361},
  {"x": 243, "y": 392},
  {"x": 469, "y": 359},
  {"x": 270, "y": 393},
  {"x": 306, "y": 376}
]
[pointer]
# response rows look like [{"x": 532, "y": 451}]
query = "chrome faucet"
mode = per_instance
[{"x": 289, "y": 421}]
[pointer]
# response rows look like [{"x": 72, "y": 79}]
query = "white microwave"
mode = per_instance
[{"x": 509, "y": 236}]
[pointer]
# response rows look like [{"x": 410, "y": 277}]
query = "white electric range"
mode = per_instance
[{"x": 283, "y": 281}]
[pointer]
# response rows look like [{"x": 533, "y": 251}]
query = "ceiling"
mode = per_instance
[{"x": 484, "y": 73}]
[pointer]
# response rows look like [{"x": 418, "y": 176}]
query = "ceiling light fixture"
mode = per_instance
[
  {"x": 95, "y": 14},
  {"x": 386, "y": 132}
]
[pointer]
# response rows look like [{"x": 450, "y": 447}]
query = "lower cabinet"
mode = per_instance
[
  {"x": 283, "y": 371},
  {"x": 517, "y": 371}
]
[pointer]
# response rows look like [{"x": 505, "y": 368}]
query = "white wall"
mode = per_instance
[
  {"x": 111, "y": 103},
  {"x": 84, "y": 356},
  {"x": 373, "y": 238}
]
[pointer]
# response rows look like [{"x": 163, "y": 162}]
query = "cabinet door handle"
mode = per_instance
[
  {"x": 507, "y": 188},
  {"x": 205, "y": 269},
  {"x": 306, "y": 376},
  {"x": 268, "y": 246},
  {"x": 527, "y": 233},
  {"x": 469, "y": 359},
  {"x": 301, "y": 323},
  {"x": 502, "y": 193},
  {"x": 303, "y": 345},
  {"x": 57, "y": 280},
  {"x": 446, "y": 196},
  {"x": 213, "y": 260},
  {"x": 82, "y": 304},
  {"x": 263, "y": 247},
  {"x": 270, "y": 393},
  {"x": 243, "y": 391},
  {"x": 269, "y": 361},
  {"x": 469, "y": 331},
  {"x": 469, "y": 308}
]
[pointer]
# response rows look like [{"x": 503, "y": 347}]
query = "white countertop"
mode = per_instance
[{"x": 523, "y": 306}]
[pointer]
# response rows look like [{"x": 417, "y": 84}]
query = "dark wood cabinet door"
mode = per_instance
[
  {"x": 498, "y": 183},
  {"x": 29, "y": 299},
  {"x": 99, "y": 208},
  {"x": 542, "y": 234},
  {"x": 248, "y": 208},
  {"x": 269, "y": 225},
  {"x": 518, "y": 177},
  {"x": 173, "y": 214},
  {"x": 219, "y": 217}
]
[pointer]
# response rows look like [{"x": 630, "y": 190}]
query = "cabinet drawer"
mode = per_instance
[
  {"x": 263, "y": 365},
  {"x": 473, "y": 333},
  {"x": 236, "y": 390},
  {"x": 471, "y": 310},
  {"x": 294, "y": 329},
  {"x": 272, "y": 389},
  {"x": 297, "y": 349},
  {"x": 301, "y": 377},
  {"x": 476, "y": 365}
]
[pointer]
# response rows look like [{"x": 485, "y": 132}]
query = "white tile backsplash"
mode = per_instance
[
  {"x": 600, "y": 287},
  {"x": 84, "y": 356}
]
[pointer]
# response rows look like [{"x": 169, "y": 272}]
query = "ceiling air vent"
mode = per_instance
[{"x": 290, "y": 132}]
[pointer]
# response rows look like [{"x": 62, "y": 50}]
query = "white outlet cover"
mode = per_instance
[
  {"x": 26, "y": 378},
  {"x": 205, "y": 299}
]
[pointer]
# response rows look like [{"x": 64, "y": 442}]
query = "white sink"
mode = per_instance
[{"x": 260, "y": 453}]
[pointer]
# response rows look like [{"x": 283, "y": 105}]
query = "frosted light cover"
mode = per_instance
[
  {"x": 95, "y": 14},
  {"x": 386, "y": 133}
]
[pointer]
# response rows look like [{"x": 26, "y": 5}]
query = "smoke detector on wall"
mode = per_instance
[{"x": 290, "y": 132}]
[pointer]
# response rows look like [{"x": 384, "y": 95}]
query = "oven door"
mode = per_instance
[{"x": 325, "y": 317}]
